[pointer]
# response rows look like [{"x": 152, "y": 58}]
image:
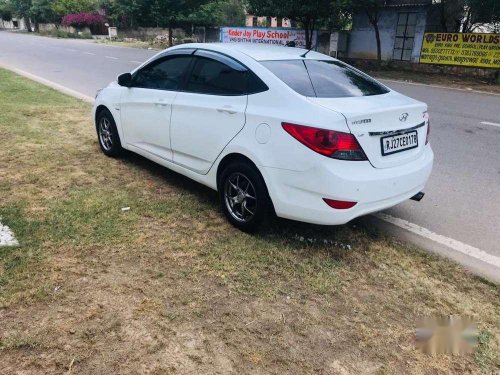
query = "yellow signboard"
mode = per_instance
[{"x": 465, "y": 49}]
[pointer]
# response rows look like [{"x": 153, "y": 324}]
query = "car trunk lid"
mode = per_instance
[{"x": 375, "y": 118}]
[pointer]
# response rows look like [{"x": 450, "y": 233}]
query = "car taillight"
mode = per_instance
[{"x": 337, "y": 145}]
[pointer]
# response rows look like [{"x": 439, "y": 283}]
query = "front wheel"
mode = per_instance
[
  {"x": 109, "y": 140},
  {"x": 244, "y": 197}
]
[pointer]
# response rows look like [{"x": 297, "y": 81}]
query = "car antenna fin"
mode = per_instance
[{"x": 309, "y": 50}]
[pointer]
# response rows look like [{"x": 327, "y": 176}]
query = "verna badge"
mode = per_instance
[{"x": 403, "y": 117}]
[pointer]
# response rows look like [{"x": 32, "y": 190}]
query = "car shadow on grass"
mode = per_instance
[{"x": 343, "y": 238}]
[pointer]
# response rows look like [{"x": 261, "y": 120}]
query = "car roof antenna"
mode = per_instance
[{"x": 309, "y": 50}]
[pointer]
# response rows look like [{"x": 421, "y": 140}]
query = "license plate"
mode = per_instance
[{"x": 398, "y": 143}]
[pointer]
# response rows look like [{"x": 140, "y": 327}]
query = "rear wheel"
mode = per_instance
[
  {"x": 109, "y": 140},
  {"x": 244, "y": 197}
]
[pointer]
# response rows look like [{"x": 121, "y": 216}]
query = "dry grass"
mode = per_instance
[
  {"x": 131, "y": 44},
  {"x": 170, "y": 287}
]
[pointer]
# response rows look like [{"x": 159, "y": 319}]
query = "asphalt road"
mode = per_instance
[{"x": 462, "y": 201}]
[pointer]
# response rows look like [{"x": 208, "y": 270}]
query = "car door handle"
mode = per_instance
[
  {"x": 226, "y": 110},
  {"x": 161, "y": 103}
]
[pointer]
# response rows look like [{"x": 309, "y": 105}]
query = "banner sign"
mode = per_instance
[
  {"x": 276, "y": 36},
  {"x": 465, "y": 49}
]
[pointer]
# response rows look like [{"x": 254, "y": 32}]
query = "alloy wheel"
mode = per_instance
[
  {"x": 240, "y": 197},
  {"x": 105, "y": 134}
]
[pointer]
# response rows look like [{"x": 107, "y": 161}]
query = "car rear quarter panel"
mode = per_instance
[{"x": 278, "y": 105}]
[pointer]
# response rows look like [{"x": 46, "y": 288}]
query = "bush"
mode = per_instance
[
  {"x": 82, "y": 19},
  {"x": 5, "y": 14},
  {"x": 192, "y": 39},
  {"x": 56, "y": 33}
]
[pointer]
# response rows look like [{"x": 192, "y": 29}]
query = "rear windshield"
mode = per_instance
[{"x": 324, "y": 79}]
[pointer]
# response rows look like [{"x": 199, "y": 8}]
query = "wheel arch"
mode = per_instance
[
  {"x": 234, "y": 157},
  {"x": 231, "y": 158},
  {"x": 99, "y": 109}
]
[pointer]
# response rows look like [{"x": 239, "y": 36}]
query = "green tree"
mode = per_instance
[
  {"x": 126, "y": 13},
  {"x": 5, "y": 10},
  {"x": 372, "y": 10},
  {"x": 42, "y": 11},
  {"x": 170, "y": 13},
  {"x": 310, "y": 14},
  {"x": 63, "y": 7},
  {"x": 22, "y": 9},
  {"x": 468, "y": 15},
  {"x": 219, "y": 13}
]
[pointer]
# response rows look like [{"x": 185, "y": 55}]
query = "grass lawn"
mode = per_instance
[{"x": 170, "y": 287}]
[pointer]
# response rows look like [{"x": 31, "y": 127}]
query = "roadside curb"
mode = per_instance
[
  {"x": 50, "y": 84},
  {"x": 476, "y": 266}
]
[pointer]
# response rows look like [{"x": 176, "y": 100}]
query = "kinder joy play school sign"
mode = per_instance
[{"x": 277, "y": 36}]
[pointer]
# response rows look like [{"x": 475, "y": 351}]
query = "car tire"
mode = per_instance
[
  {"x": 107, "y": 134},
  {"x": 244, "y": 197}
]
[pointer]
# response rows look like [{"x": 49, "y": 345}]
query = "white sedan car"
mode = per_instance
[{"x": 272, "y": 129}]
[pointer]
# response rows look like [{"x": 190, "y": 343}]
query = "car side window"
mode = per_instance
[
  {"x": 163, "y": 74},
  {"x": 213, "y": 77}
]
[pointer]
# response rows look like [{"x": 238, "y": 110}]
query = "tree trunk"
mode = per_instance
[
  {"x": 308, "y": 34},
  {"x": 466, "y": 23},
  {"x": 379, "y": 48},
  {"x": 308, "y": 38},
  {"x": 311, "y": 33},
  {"x": 442, "y": 10},
  {"x": 374, "y": 21},
  {"x": 170, "y": 36},
  {"x": 27, "y": 23},
  {"x": 37, "y": 26}
]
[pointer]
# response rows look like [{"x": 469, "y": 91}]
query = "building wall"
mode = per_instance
[
  {"x": 362, "y": 41},
  {"x": 11, "y": 24},
  {"x": 253, "y": 21}
]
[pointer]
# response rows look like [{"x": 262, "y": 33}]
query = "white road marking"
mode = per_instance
[
  {"x": 89, "y": 53},
  {"x": 136, "y": 62},
  {"x": 111, "y": 57},
  {"x": 70, "y": 49},
  {"x": 6, "y": 236},
  {"x": 449, "y": 242},
  {"x": 490, "y": 123}
]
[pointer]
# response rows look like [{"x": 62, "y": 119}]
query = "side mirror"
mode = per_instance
[{"x": 125, "y": 79}]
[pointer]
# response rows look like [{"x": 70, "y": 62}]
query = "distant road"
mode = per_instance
[{"x": 462, "y": 201}]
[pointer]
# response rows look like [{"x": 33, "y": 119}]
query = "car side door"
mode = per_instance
[
  {"x": 146, "y": 106},
  {"x": 209, "y": 111}
]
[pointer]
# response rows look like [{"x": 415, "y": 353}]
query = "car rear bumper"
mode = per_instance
[{"x": 299, "y": 195}]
